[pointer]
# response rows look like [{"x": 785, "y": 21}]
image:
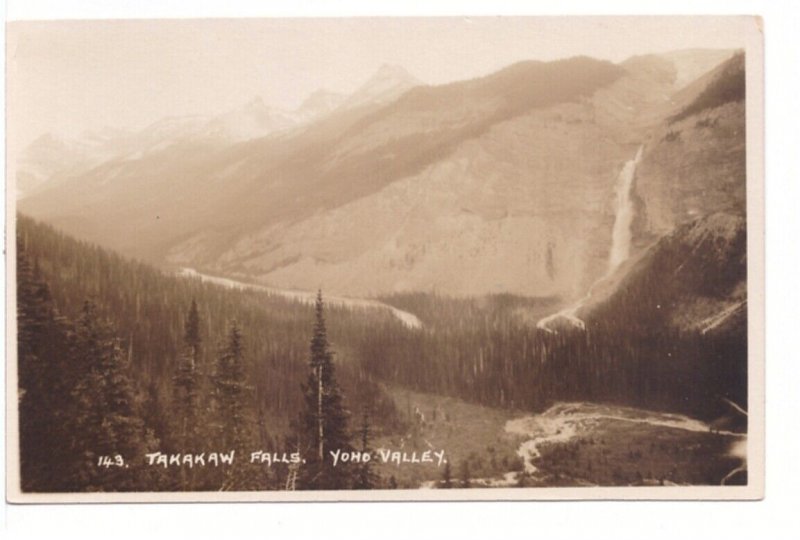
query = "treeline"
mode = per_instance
[{"x": 117, "y": 361}]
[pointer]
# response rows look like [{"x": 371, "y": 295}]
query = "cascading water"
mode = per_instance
[
  {"x": 621, "y": 233},
  {"x": 621, "y": 236}
]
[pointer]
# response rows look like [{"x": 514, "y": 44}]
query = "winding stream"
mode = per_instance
[{"x": 408, "y": 319}]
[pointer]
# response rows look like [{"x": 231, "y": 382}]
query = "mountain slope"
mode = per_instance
[
  {"x": 693, "y": 279},
  {"x": 478, "y": 175},
  {"x": 511, "y": 204},
  {"x": 50, "y": 156},
  {"x": 148, "y": 310},
  {"x": 695, "y": 161},
  {"x": 349, "y": 155},
  {"x": 677, "y": 312}
]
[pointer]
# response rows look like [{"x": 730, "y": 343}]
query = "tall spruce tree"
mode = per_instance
[
  {"x": 234, "y": 403},
  {"x": 231, "y": 390},
  {"x": 324, "y": 421},
  {"x": 186, "y": 385}
]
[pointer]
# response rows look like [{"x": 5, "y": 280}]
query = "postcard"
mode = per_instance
[{"x": 376, "y": 259}]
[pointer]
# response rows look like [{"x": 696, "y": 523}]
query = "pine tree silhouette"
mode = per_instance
[
  {"x": 324, "y": 420},
  {"x": 186, "y": 384},
  {"x": 234, "y": 397}
]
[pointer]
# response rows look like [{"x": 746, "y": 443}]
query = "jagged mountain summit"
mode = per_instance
[
  {"x": 253, "y": 119},
  {"x": 386, "y": 84}
]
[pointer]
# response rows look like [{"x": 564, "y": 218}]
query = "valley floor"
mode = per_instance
[{"x": 570, "y": 444}]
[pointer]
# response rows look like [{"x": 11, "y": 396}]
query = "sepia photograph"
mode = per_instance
[{"x": 385, "y": 259}]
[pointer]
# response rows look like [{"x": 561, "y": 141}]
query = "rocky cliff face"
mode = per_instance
[{"x": 688, "y": 230}]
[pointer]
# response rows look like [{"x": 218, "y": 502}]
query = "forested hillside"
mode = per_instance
[
  {"x": 83, "y": 310},
  {"x": 500, "y": 360},
  {"x": 187, "y": 353},
  {"x": 669, "y": 332}
]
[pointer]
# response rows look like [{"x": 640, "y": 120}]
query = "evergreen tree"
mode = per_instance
[
  {"x": 365, "y": 476},
  {"x": 234, "y": 397},
  {"x": 191, "y": 336},
  {"x": 231, "y": 389},
  {"x": 106, "y": 420},
  {"x": 324, "y": 421},
  {"x": 186, "y": 385},
  {"x": 43, "y": 383}
]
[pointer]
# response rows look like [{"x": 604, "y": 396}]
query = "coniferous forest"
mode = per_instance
[{"x": 118, "y": 360}]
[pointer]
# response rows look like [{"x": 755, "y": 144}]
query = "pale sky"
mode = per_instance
[{"x": 70, "y": 76}]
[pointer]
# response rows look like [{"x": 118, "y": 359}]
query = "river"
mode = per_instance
[
  {"x": 305, "y": 297},
  {"x": 565, "y": 421}
]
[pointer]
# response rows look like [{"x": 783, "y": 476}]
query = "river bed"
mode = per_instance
[{"x": 566, "y": 422}]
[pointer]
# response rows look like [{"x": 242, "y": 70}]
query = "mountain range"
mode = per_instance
[
  {"x": 506, "y": 183},
  {"x": 51, "y": 159}
]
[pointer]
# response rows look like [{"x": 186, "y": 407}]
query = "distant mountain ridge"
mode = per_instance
[{"x": 52, "y": 158}]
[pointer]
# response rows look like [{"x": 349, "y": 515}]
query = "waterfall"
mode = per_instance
[
  {"x": 620, "y": 244},
  {"x": 621, "y": 234}
]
